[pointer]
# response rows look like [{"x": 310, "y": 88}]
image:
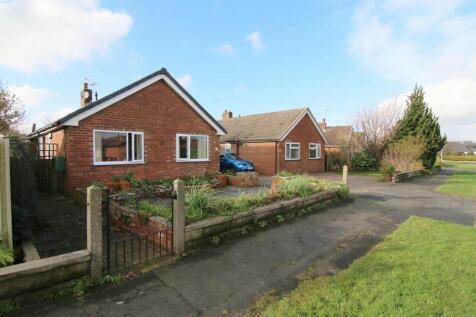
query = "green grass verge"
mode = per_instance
[
  {"x": 424, "y": 268},
  {"x": 462, "y": 182}
]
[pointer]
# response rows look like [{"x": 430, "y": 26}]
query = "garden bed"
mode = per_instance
[{"x": 203, "y": 231}]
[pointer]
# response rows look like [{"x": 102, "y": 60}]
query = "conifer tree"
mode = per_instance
[{"x": 419, "y": 121}]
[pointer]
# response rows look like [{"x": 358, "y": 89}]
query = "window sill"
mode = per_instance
[
  {"x": 317, "y": 158},
  {"x": 288, "y": 159},
  {"x": 117, "y": 163},
  {"x": 191, "y": 161}
]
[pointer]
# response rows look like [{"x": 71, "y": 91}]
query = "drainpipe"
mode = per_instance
[
  {"x": 276, "y": 157},
  {"x": 237, "y": 147}
]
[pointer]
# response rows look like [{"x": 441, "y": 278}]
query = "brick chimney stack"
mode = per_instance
[
  {"x": 227, "y": 115},
  {"x": 86, "y": 95},
  {"x": 323, "y": 125}
]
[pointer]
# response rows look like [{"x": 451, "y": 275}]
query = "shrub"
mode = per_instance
[
  {"x": 6, "y": 257},
  {"x": 362, "y": 161},
  {"x": 404, "y": 154},
  {"x": 299, "y": 186},
  {"x": 343, "y": 192},
  {"x": 387, "y": 169},
  {"x": 197, "y": 201}
]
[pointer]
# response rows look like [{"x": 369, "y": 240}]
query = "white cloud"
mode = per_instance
[
  {"x": 256, "y": 41},
  {"x": 48, "y": 34},
  {"x": 185, "y": 80},
  {"x": 427, "y": 42},
  {"x": 31, "y": 97},
  {"x": 225, "y": 49}
]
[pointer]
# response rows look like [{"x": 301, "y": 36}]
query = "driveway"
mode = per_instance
[{"x": 226, "y": 279}]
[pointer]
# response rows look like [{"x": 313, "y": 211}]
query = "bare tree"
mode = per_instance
[
  {"x": 11, "y": 111},
  {"x": 374, "y": 127}
]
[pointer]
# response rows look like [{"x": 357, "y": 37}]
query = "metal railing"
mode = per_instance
[{"x": 125, "y": 253}]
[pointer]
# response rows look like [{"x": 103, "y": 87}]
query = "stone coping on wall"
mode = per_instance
[
  {"x": 212, "y": 226},
  {"x": 30, "y": 276},
  {"x": 397, "y": 177}
]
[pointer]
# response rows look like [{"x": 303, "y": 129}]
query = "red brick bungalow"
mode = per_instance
[
  {"x": 153, "y": 128},
  {"x": 288, "y": 140}
]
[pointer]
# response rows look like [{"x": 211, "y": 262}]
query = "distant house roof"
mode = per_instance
[
  {"x": 73, "y": 118},
  {"x": 339, "y": 135},
  {"x": 270, "y": 126},
  {"x": 460, "y": 147}
]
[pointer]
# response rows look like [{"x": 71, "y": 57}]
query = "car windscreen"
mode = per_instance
[{"x": 234, "y": 157}]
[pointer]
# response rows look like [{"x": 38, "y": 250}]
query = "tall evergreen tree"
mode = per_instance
[{"x": 420, "y": 122}]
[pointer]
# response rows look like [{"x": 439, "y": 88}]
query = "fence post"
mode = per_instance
[
  {"x": 345, "y": 174},
  {"x": 94, "y": 229},
  {"x": 178, "y": 234},
  {"x": 6, "y": 234}
]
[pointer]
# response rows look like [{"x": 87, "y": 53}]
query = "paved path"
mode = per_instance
[{"x": 227, "y": 278}]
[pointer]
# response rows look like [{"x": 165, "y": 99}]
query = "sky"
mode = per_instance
[{"x": 336, "y": 57}]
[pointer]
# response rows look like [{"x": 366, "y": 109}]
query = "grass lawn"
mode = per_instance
[
  {"x": 424, "y": 268},
  {"x": 463, "y": 182}
]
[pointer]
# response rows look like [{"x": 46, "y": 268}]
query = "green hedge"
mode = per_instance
[{"x": 471, "y": 158}]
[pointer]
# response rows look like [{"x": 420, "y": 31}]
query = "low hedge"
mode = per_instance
[{"x": 466, "y": 158}]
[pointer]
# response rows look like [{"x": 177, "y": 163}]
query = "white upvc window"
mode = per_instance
[
  {"x": 227, "y": 148},
  {"x": 314, "y": 151},
  {"x": 192, "y": 148},
  {"x": 293, "y": 151},
  {"x": 118, "y": 147}
]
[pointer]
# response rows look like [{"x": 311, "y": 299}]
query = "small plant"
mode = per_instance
[
  {"x": 343, "y": 192},
  {"x": 387, "y": 171},
  {"x": 198, "y": 200},
  {"x": 280, "y": 218},
  {"x": 245, "y": 230},
  {"x": 155, "y": 209},
  {"x": 110, "y": 279},
  {"x": 80, "y": 286},
  {"x": 7, "y": 307},
  {"x": 215, "y": 240},
  {"x": 229, "y": 172},
  {"x": 6, "y": 257},
  {"x": 262, "y": 223}
]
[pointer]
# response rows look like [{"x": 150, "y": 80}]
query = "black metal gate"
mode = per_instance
[{"x": 130, "y": 245}]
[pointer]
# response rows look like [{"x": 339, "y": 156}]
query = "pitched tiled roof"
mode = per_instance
[
  {"x": 339, "y": 135},
  {"x": 97, "y": 103},
  {"x": 268, "y": 126}
]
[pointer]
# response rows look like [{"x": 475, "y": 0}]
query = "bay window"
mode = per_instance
[
  {"x": 192, "y": 147},
  {"x": 118, "y": 147}
]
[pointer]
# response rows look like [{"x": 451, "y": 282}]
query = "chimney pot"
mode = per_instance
[
  {"x": 227, "y": 115},
  {"x": 86, "y": 95}
]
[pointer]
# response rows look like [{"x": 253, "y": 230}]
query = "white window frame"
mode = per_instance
[
  {"x": 127, "y": 162},
  {"x": 227, "y": 149},
  {"x": 188, "y": 159},
  {"x": 286, "y": 153},
  {"x": 317, "y": 147}
]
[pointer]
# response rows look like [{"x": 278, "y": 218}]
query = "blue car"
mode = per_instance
[{"x": 232, "y": 162}]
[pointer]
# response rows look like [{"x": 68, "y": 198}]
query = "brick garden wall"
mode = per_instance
[{"x": 158, "y": 112}]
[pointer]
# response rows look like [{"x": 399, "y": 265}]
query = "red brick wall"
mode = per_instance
[
  {"x": 58, "y": 138},
  {"x": 158, "y": 112},
  {"x": 305, "y": 132}
]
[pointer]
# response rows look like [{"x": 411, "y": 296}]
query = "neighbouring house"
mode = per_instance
[
  {"x": 460, "y": 148},
  {"x": 288, "y": 140},
  {"x": 339, "y": 137},
  {"x": 153, "y": 128}
]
